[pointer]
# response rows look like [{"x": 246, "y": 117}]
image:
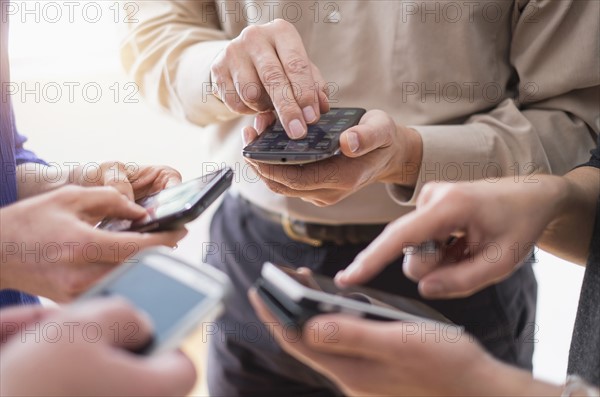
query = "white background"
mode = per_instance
[{"x": 53, "y": 54}]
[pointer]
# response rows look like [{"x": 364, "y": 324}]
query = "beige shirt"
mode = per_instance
[{"x": 493, "y": 87}]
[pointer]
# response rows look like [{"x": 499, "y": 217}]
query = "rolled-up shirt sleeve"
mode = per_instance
[
  {"x": 169, "y": 52},
  {"x": 549, "y": 127}
]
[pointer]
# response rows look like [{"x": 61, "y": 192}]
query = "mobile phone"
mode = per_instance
[
  {"x": 176, "y": 295},
  {"x": 295, "y": 297},
  {"x": 322, "y": 141},
  {"x": 176, "y": 206}
]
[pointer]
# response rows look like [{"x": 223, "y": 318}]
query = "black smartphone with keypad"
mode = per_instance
[{"x": 322, "y": 141}]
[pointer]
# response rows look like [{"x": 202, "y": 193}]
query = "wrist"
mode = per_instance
[
  {"x": 405, "y": 162},
  {"x": 500, "y": 379},
  {"x": 34, "y": 179}
]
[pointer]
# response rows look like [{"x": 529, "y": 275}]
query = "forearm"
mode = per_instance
[
  {"x": 569, "y": 234},
  {"x": 34, "y": 179},
  {"x": 169, "y": 53}
]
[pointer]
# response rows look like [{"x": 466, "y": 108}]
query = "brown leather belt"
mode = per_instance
[{"x": 317, "y": 234}]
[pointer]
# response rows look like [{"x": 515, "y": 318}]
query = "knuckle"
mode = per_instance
[
  {"x": 280, "y": 23},
  {"x": 297, "y": 65},
  {"x": 287, "y": 107},
  {"x": 250, "y": 34},
  {"x": 237, "y": 106},
  {"x": 273, "y": 73}
]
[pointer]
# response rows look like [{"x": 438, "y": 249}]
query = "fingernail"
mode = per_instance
[
  {"x": 353, "y": 144},
  {"x": 297, "y": 129},
  {"x": 352, "y": 269},
  {"x": 339, "y": 276},
  {"x": 432, "y": 288},
  {"x": 309, "y": 114}
]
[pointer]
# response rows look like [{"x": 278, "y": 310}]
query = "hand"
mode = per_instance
[
  {"x": 496, "y": 225},
  {"x": 266, "y": 67},
  {"x": 132, "y": 180},
  {"x": 16, "y": 318},
  {"x": 369, "y": 358},
  {"x": 375, "y": 150},
  {"x": 51, "y": 248},
  {"x": 85, "y": 353}
]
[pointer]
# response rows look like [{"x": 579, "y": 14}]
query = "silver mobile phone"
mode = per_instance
[
  {"x": 176, "y": 295},
  {"x": 295, "y": 297}
]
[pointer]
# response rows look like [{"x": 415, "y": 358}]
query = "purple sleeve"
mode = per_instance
[{"x": 23, "y": 155}]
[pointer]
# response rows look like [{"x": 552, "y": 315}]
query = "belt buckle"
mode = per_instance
[{"x": 286, "y": 222}]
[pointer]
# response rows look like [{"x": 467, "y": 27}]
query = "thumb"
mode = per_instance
[
  {"x": 14, "y": 318},
  {"x": 168, "y": 374},
  {"x": 347, "y": 335},
  {"x": 100, "y": 202},
  {"x": 362, "y": 139}
]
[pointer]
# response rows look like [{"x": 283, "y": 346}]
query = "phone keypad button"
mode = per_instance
[{"x": 297, "y": 146}]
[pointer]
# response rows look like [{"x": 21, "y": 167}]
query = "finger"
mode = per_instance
[
  {"x": 94, "y": 204},
  {"x": 369, "y": 135},
  {"x": 465, "y": 277},
  {"x": 116, "y": 247},
  {"x": 168, "y": 374},
  {"x": 13, "y": 319},
  {"x": 249, "y": 87},
  {"x": 147, "y": 180},
  {"x": 227, "y": 92},
  {"x": 114, "y": 320},
  {"x": 249, "y": 134},
  {"x": 420, "y": 261},
  {"x": 299, "y": 71},
  {"x": 322, "y": 90},
  {"x": 409, "y": 231},
  {"x": 322, "y": 362},
  {"x": 263, "y": 120},
  {"x": 273, "y": 77},
  {"x": 114, "y": 174},
  {"x": 349, "y": 336},
  {"x": 308, "y": 177}
]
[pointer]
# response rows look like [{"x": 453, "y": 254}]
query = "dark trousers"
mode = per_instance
[{"x": 243, "y": 358}]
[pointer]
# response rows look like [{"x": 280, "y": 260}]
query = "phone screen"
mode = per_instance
[
  {"x": 165, "y": 203},
  {"x": 363, "y": 294},
  {"x": 163, "y": 298},
  {"x": 171, "y": 201},
  {"x": 321, "y": 141}
]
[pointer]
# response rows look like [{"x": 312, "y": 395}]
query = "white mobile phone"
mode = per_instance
[
  {"x": 176, "y": 295},
  {"x": 296, "y": 297}
]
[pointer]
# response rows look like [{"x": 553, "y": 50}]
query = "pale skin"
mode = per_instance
[
  {"x": 375, "y": 150},
  {"x": 273, "y": 59},
  {"x": 554, "y": 212},
  {"x": 375, "y": 358},
  {"x": 49, "y": 244},
  {"x": 93, "y": 363},
  {"x": 372, "y": 358}
]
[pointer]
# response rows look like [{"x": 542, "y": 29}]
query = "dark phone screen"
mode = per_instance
[
  {"x": 171, "y": 201},
  {"x": 321, "y": 137},
  {"x": 166, "y": 203},
  {"x": 363, "y": 294},
  {"x": 163, "y": 298}
]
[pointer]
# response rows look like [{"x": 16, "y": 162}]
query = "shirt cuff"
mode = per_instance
[
  {"x": 451, "y": 153},
  {"x": 193, "y": 88}
]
